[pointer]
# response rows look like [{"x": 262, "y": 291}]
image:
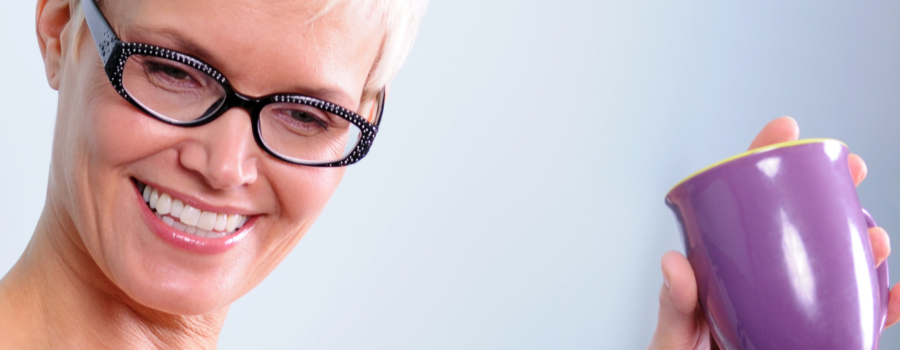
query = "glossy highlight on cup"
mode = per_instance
[{"x": 779, "y": 245}]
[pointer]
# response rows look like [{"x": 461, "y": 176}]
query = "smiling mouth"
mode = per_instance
[{"x": 187, "y": 219}]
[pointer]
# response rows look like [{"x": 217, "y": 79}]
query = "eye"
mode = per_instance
[
  {"x": 306, "y": 117},
  {"x": 302, "y": 120},
  {"x": 298, "y": 119},
  {"x": 167, "y": 70},
  {"x": 171, "y": 75}
]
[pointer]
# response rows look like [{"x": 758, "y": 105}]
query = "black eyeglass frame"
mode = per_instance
[{"x": 114, "y": 53}]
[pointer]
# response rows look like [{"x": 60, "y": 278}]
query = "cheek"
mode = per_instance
[
  {"x": 105, "y": 128},
  {"x": 117, "y": 137},
  {"x": 100, "y": 130},
  {"x": 120, "y": 135},
  {"x": 304, "y": 193},
  {"x": 94, "y": 136},
  {"x": 99, "y": 139}
]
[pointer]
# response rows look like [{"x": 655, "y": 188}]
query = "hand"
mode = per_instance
[{"x": 681, "y": 325}]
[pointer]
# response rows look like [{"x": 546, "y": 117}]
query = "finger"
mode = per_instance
[
  {"x": 682, "y": 285},
  {"x": 858, "y": 169},
  {"x": 893, "y": 307},
  {"x": 779, "y": 130},
  {"x": 881, "y": 244},
  {"x": 677, "y": 327}
]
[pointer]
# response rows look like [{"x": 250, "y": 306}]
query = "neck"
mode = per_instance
[{"x": 56, "y": 296}]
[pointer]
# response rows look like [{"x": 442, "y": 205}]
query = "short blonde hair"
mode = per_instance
[{"x": 401, "y": 20}]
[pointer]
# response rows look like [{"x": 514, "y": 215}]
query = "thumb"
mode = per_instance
[
  {"x": 779, "y": 130},
  {"x": 680, "y": 325}
]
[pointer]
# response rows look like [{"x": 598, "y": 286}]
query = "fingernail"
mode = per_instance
[{"x": 666, "y": 281}]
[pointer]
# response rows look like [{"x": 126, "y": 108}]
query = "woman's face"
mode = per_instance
[{"x": 104, "y": 147}]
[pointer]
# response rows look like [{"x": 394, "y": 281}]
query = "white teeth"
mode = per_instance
[
  {"x": 220, "y": 222},
  {"x": 177, "y": 208},
  {"x": 190, "y": 215},
  {"x": 164, "y": 204},
  {"x": 154, "y": 197},
  {"x": 215, "y": 234},
  {"x": 185, "y": 218},
  {"x": 207, "y": 220},
  {"x": 231, "y": 223}
]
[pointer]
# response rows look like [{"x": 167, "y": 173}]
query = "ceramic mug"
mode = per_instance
[{"x": 778, "y": 242}]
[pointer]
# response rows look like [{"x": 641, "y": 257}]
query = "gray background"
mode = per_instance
[{"x": 513, "y": 199}]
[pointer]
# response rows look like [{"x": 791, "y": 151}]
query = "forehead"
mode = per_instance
[{"x": 263, "y": 46}]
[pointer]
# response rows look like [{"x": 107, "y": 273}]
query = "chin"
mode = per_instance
[{"x": 182, "y": 292}]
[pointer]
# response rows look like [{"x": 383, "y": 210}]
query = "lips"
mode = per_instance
[
  {"x": 190, "y": 220},
  {"x": 190, "y": 228}
]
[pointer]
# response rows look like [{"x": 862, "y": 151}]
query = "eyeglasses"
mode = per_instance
[{"x": 181, "y": 90}]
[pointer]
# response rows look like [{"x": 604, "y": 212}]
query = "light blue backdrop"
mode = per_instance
[{"x": 513, "y": 199}]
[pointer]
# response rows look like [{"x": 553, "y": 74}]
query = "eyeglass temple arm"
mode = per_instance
[
  {"x": 103, "y": 34},
  {"x": 382, "y": 98}
]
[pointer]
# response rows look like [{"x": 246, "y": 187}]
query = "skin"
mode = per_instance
[
  {"x": 681, "y": 325},
  {"x": 94, "y": 276}
]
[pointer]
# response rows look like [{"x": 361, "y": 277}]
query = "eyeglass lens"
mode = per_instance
[{"x": 180, "y": 93}]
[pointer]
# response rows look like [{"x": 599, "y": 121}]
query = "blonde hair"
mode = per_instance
[{"x": 401, "y": 20}]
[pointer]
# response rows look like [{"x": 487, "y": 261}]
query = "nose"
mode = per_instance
[{"x": 224, "y": 151}]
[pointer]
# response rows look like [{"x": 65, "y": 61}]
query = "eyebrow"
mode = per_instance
[
  {"x": 178, "y": 42},
  {"x": 187, "y": 46}
]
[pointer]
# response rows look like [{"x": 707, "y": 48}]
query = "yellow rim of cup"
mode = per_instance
[{"x": 755, "y": 151}]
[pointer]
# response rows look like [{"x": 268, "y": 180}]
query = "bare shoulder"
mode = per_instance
[{"x": 16, "y": 324}]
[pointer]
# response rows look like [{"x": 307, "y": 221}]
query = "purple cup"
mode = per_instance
[{"x": 778, "y": 243}]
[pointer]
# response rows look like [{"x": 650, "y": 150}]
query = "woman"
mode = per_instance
[
  {"x": 175, "y": 190},
  {"x": 195, "y": 143}
]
